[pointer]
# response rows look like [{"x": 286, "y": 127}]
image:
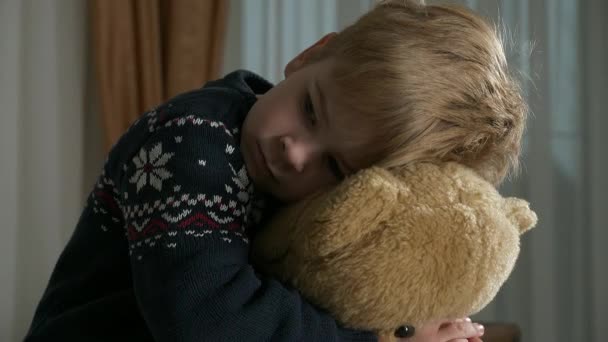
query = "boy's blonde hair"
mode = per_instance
[{"x": 434, "y": 81}]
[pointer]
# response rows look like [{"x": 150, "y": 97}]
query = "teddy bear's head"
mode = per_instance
[{"x": 384, "y": 249}]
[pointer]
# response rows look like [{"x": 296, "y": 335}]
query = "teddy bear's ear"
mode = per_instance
[{"x": 519, "y": 213}]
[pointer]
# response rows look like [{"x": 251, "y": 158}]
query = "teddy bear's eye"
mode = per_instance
[{"x": 405, "y": 331}]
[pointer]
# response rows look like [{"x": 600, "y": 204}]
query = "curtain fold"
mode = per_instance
[{"x": 146, "y": 51}]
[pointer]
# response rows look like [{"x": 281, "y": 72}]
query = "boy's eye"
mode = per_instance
[
  {"x": 334, "y": 168},
  {"x": 309, "y": 110}
]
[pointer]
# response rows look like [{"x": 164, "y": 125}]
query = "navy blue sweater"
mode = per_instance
[{"x": 161, "y": 249}]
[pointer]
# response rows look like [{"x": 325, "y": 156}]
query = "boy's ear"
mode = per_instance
[{"x": 300, "y": 60}]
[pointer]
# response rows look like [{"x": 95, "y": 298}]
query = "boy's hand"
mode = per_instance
[{"x": 460, "y": 330}]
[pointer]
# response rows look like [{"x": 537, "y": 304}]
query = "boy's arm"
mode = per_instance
[{"x": 185, "y": 197}]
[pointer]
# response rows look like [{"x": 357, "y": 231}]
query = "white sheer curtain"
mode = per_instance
[
  {"x": 557, "y": 292},
  {"x": 264, "y": 35},
  {"x": 558, "y": 289},
  {"x": 42, "y": 92}
]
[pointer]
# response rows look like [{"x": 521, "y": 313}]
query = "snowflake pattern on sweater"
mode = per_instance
[
  {"x": 150, "y": 166},
  {"x": 196, "y": 215}
]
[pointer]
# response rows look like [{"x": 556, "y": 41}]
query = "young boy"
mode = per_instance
[{"x": 161, "y": 249}]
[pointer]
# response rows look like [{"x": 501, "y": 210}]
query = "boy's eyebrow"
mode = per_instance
[
  {"x": 323, "y": 114},
  {"x": 322, "y": 103}
]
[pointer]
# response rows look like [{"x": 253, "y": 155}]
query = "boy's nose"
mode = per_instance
[{"x": 298, "y": 152}]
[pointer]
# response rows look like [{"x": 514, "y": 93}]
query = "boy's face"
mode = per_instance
[{"x": 292, "y": 140}]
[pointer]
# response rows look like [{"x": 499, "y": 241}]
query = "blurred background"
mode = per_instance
[{"x": 74, "y": 73}]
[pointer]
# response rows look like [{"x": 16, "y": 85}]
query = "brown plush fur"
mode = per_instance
[{"x": 385, "y": 249}]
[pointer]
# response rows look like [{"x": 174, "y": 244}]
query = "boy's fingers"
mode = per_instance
[{"x": 462, "y": 330}]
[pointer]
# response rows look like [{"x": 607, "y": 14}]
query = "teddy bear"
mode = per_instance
[{"x": 385, "y": 248}]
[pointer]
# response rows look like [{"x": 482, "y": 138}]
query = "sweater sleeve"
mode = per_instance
[{"x": 185, "y": 197}]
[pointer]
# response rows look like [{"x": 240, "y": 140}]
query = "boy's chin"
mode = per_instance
[
  {"x": 281, "y": 195},
  {"x": 284, "y": 193}
]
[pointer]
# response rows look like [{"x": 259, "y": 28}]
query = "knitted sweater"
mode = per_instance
[{"x": 161, "y": 249}]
